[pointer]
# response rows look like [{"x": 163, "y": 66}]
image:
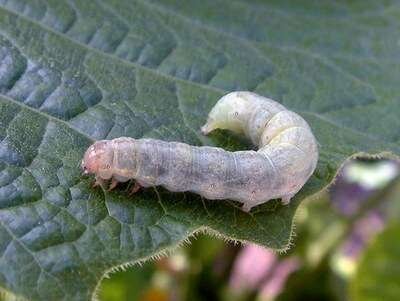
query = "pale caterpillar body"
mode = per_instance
[{"x": 286, "y": 158}]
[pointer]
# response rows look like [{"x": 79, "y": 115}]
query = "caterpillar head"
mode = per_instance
[
  {"x": 230, "y": 112},
  {"x": 98, "y": 159}
]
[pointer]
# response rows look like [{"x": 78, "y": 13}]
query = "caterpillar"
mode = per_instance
[{"x": 287, "y": 156}]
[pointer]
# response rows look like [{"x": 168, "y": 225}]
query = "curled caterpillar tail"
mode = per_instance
[
  {"x": 284, "y": 139},
  {"x": 286, "y": 158}
]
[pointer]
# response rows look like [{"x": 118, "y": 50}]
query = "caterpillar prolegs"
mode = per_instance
[{"x": 286, "y": 158}]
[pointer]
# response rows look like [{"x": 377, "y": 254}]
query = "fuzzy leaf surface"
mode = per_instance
[{"x": 72, "y": 72}]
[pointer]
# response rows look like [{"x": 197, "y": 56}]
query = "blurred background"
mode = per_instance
[{"x": 345, "y": 248}]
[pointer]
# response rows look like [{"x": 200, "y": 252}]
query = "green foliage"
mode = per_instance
[
  {"x": 126, "y": 285},
  {"x": 378, "y": 274},
  {"x": 72, "y": 72}
]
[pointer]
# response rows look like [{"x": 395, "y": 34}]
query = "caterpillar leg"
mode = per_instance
[
  {"x": 286, "y": 199},
  {"x": 99, "y": 182},
  {"x": 246, "y": 207},
  {"x": 135, "y": 188},
  {"x": 113, "y": 184}
]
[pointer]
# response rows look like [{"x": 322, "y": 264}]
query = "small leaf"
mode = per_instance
[
  {"x": 72, "y": 72},
  {"x": 378, "y": 273}
]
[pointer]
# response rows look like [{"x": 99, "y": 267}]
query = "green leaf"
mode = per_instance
[
  {"x": 378, "y": 273},
  {"x": 72, "y": 72},
  {"x": 127, "y": 285}
]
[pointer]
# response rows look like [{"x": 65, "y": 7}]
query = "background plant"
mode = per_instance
[{"x": 72, "y": 72}]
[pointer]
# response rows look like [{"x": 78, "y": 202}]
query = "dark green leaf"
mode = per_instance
[{"x": 72, "y": 72}]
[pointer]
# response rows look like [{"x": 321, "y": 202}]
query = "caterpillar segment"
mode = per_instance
[{"x": 287, "y": 156}]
